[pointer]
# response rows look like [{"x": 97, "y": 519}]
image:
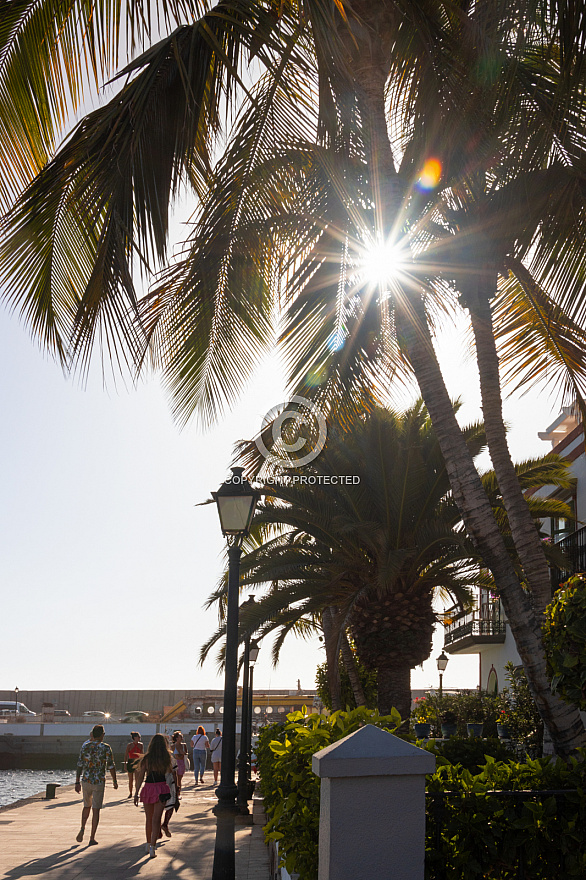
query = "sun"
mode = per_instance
[{"x": 381, "y": 263}]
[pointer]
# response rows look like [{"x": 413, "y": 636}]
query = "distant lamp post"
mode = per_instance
[
  {"x": 442, "y": 662},
  {"x": 15, "y": 703},
  {"x": 236, "y": 501},
  {"x": 245, "y": 723},
  {"x": 253, "y": 656}
]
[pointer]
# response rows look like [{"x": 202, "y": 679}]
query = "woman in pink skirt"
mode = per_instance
[{"x": 154, "y": 794}]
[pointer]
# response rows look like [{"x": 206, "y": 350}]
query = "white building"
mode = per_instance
[{"x": 485, "y": 631}]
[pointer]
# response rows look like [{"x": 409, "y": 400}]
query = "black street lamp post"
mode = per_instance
[
  {"x": 442, "y": 662},
  {"x": 236, "y": 500},
  {"x": 246, "y": 737},
  {"x": 15, "y": 703},
  {"x": 245, "y": 724}
]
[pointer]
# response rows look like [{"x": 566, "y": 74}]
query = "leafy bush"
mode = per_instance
[
  {"x": 368, "y": 680},
  {"x": 290, "y": 788},
  {"x": 564, "y": 639},
  {"x": 471, "y": 754},
  {"x": 518, "y": 711},
  {"x": 480, "y": 832}
]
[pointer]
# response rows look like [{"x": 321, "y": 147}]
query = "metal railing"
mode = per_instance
[
  {"x": 574, "y": 547},
  {"x": 483, "y": 622},
  {"x": 512, "y": 862}
]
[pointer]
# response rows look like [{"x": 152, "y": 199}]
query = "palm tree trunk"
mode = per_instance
[
  {"x": 521, "y": 522},
  {"x": 331, "y": 643},
  {"x": 394, "y": 691},
  {"x": 351, "y": 667},
  {"x": 562, "y": 721}
]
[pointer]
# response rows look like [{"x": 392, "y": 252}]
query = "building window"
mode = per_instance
[{"x": 562, "y": 527}]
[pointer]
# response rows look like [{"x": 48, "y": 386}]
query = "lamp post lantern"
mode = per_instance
[
  {"x": 236, "y": 501},
  {"x": 442, "y": 662},
  {"x": 15, "y": 703}
]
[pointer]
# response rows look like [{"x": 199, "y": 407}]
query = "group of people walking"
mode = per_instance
[{"x": 155, "y": 775}]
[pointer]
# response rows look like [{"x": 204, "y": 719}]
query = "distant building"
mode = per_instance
[{"x": 485, "y": 631}]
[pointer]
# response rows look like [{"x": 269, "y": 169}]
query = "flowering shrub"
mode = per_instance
[{"x": 423, "y": 710}]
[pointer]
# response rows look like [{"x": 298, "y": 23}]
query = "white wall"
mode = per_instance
[
  {"x": 83, "y": 730},
  {"x": 498, "y": 656}
]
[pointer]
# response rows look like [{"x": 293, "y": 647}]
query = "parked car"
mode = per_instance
[
  {"x": 135, "y": 715},
  {"x": 8, "y": 707},
  {"x": 95, "y": 713},
  {"x": 61, "y": 712}
]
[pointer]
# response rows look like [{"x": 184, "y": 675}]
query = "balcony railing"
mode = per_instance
[
  {"x": 477, "y": 629},
  {"x": 481, "y": 625},
  {"x": 574, "y": 547}
]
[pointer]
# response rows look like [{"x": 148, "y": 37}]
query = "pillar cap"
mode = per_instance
[{"x": 371, "y": 751}]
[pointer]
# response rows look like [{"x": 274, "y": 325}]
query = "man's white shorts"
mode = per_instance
[{"x": 93, "y": 794}]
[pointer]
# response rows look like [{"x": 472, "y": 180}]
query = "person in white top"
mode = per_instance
[
  {"x": 216, "y": 753},
  {"x": 200, "y": 744}
]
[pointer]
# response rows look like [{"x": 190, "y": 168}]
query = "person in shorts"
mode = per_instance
[
  {"x": 134, "y": 750},
  {"x": 94, "y": 759}
]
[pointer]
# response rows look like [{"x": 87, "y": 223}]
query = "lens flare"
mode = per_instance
[
  {"x": 316, "y": 377},
  {"x": 431, "y": 174}
]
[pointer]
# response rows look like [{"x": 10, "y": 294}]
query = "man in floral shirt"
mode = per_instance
[{"x": 94, "y": 759}]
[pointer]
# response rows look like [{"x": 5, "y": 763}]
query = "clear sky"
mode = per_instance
[{"x": 105, "y": 559}]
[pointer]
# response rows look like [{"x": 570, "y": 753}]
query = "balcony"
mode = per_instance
[{"x": 467, "y": 632}]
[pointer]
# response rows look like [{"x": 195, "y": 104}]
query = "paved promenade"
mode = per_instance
[{"x": 38, "y": 839}]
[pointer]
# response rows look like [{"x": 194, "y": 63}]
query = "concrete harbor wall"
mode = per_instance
[
  {"x": 58, "y": 750},
  {"x": 115, "y": 702}
]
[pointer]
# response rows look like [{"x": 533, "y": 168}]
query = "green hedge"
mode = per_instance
[
  {"x": 481, "y": 834},
  {"x": 470, "y": 753},
  {"x": 290, "y": 788}
]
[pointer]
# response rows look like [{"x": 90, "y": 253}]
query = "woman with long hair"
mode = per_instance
[
  {"x": 216, "y": 753},
  {"x": 200, "y": 744},
  {"x": 153, "y": 766},
  {"x": 134, "y": 750},
  {"x": 179, "y": 753}
]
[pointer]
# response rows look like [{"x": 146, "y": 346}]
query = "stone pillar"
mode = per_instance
[{"x": 372, "y": 807}]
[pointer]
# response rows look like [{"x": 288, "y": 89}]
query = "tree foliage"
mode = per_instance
[
  {"x": 367, "y": 679},
  {"x": 564, "y": 636}
]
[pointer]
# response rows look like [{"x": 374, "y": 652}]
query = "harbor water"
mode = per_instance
[{"x": 18, "y": 784}]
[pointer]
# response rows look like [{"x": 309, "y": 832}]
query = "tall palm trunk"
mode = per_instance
[
  {"x": 351, "y": 668},
  {"x": 394, "y": 690},
  {"x": 331, "y": 642},
  {"x": 521, "y": 522},
  {"x": 562, "y": 721}
]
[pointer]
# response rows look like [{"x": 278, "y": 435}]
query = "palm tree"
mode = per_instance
[
  {"x": 373, "y": 552},
  {"x": 309, "y": 175},
  {"x": 368, "y": 557}
]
